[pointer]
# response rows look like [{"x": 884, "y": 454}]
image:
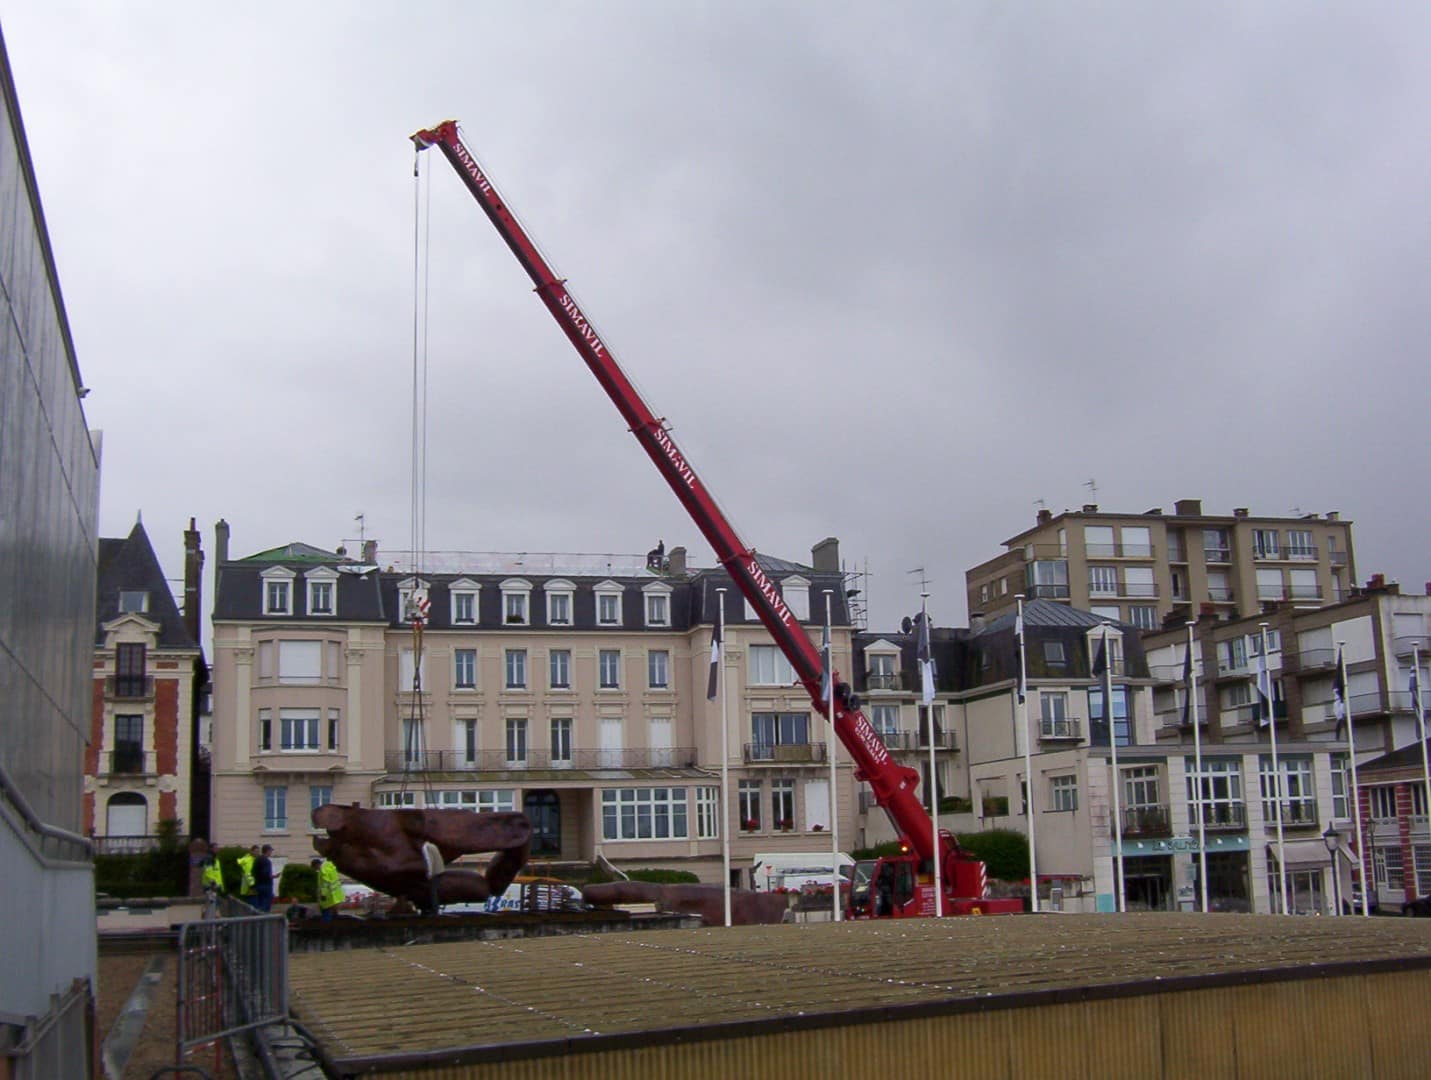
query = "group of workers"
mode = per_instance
[{"x": 256, "y": 881}]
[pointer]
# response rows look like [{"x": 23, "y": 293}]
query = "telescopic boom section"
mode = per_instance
[{"x": 893, "y": 784}]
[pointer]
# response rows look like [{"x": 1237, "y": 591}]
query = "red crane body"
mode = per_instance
[{"x": 893, "y": 784}]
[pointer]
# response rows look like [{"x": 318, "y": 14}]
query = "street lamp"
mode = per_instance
[{"x": 1333, "y": 840}]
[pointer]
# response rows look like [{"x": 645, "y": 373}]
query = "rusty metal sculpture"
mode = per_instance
[
  {"x": 383, "y": 850},
  {"x": 707, "y": 901}
]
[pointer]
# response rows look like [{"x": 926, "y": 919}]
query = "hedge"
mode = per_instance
[
  {"x": 1004, "y": 851},
  {"x": 147, "y": 873},
  {"x": 299, "y": 881}
]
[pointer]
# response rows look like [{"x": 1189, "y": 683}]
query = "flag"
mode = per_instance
[
  {"x": 1100, "y": 662},
  {"x": 1339, "y": 695},
  {"x": 1264, "y": 691},
  {"x": 926, "y": 661},
  {"x": 1023, "y": 690},
  {"x": 825, "y": 665},
  {"x": 1187, "y": 686},
  {"x": 716, "y": 635},
  {"x": 1415, "y": 687}
]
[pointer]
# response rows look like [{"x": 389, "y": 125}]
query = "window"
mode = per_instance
[
  {"x": 464, "y": 665},
  {"x": 559, "y": 595},
  {"x": 516, "y": 668},
  {"x": 1217, "y": 586},
  {"x": 265, "y": 729},
  {"x": 795, "y": 591},
  {"x": 658, "y": 609},
  {"x": 1383, "y": 803},
  {"x": 608, "y": 604},
  {"x": 516, "y": 741},
  {"x": 1339, "y": 786},
  {"x": 1138, "y": 582},
  {"x": 1421, "y": 861},
  {"x": 514, "y": 608},
  {"x": 561, "y": 741},
  {"x": 300, "y": 662},
  {"x": 1418, "y": 800},
  {"x": 1299, "y": 544},
  {"x": 1140, "y": 787},
  {"x": 464, "y": 602},
  {"x": 1064, "y": 792},
  {"x": 464, "y": 739},
  {"x": 1104, "y": 611},
  {"x": 128, "y": 744},
  {"x": 1103, "y": 580},
  {"x": 782, "y": 804},
  {"x": 885, "y": 719},
  {"x": 659, "y": 741},
  {"x": 133, "y": 600},
  {"x": 881, "y": 674},
  {"x": 1054, "y": 722},
  {"x": 559, "y": 668},
  {"x": 1219, "y": 791},
  {"x": 609, "y": 665},
  {"x": 129, "y": 666},
  {"x": 275, "y": 808},
  {"x": 643, "y": 814},
  {"x": 1137, "y": 542},
  {"x": 658, "y": 662},
  {"x": 390, "y": 800},
  {"x": 1305, "y": 586},
  {"x": 1235, "y": 654},
  {"x": 768, "y": 667},
  {"x": 1215, "y": 545},
  {"x": 278, "y": 591},
  {"x": 1264, "y": 543},
  {"x": 749, "y": 794},
  {"x": 1054, "y": 654},
  {"x": 298, "y": 729},
  {"x": 335, "y": 718},
  {"x": 1097, "y": 719},
  {"x": 1098, "y": 541},
  {"x": 707, "y": 813},
  {"x": 319, "y": 795},
  {"x": 1143, "y": 616},
  {"x": 1300, "y": 806},
  {"x": 1176, "y": 552},
  {"x": 321, "y": 585},
  {"x": 1047, "y": 578},
  {"x": 923, "y": 716},
  {"x": 409, "y": 672},
  {"x": 769, "y": 730},
  {"x": 1388, "y": 867},
  {"x": 1269, "y": 585}
]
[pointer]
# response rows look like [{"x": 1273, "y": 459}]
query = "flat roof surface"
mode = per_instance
[{"x": 516, "y": 992}]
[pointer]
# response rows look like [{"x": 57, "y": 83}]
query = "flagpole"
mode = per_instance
[
  {"x": 926, "y": 687},
  {"x": 1264, "y": 690},
  {"x": 1023, "y": 704},
  {"x": 829, "y": 660},
  {"x": 724, "y": 752},
  {"x": 1200, "y": 802},
  {"x": 1356, "y": 789},
  {"x": 1420, "y": 721},
  {"x": 1120, "y": 903}
]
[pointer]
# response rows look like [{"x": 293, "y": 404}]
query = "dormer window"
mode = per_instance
[
  {"x": 559, "y": 597},
  {"x": 516, "y": 602},
  {"x": 608, "y": 604},
  {"x": 795, "y": 591},
  {"x": 410, "y": 590},
  {"x": 134, "y": 601},
  {"x": 464, "y": 593},
  {"x": 658, "y": 605},
  {"x": 278, "y": 591},
  {"x": 322, "y": 591}
]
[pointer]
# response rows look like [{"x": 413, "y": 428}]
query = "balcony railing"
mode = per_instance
[
  {"x": 917, "y": 740},
  {"x": 1217, "y": 554},
  {"x": 1118, "y": 551},
  {"x": 1140, "y": 591},
  {"x": 1047, "y": 592},
  {"x": 129, "y": 687},
  {"x": 126, "y": 762},
  {"x": 1337, "y": 558},
  {"x": 1147, "y": 821},
  {"x": 1225, "y": 817},
  {"x": 884, "y": 680},
  {"x": 1295, "y": 812},
  {"x": 1271, "y": 592},
  {"x": 1402, "y": 643},
  {"x": 1303, "y": 554},
  {"x": 1067, "y": 727},
  {"x": 1220, "y": 594},
  {"x": 785, "y": 753},
  {"x": 1317, "y": 658},
  {"x": 1306, "y": 592},
  {"x": 1251, "y": 713},
  {"x": 396, "y": 761},
  {"x": 133, "y": 845}
]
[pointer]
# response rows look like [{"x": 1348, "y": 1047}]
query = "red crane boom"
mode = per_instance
[{"x": 893, "y": 784}]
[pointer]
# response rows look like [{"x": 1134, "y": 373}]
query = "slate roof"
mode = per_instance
[
  {"x": 295, "y": 552},
  {"x": 1403, "y": 758},
  {"x": 130, "y": 563}
]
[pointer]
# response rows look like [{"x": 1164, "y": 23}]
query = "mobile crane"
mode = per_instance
[{"x": 899, "y": 885}]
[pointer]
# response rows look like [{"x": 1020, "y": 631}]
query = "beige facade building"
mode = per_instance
[
  {"x": 1152, "y": 569},
  {"x": 569, "y": 687}
]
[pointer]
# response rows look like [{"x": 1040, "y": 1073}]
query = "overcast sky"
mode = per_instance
[{"x": 894, "y": 272}]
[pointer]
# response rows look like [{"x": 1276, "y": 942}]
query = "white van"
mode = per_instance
[{"x": 795, "y": 869}]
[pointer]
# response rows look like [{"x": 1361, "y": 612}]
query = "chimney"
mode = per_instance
[
  {"x": 676, "y": 562},
  {"x": 221, "y": 541},
  {"x": 826, "y": 555},
  {"x": 1332, "y": 515},
  {"x": 370, "y": 552},
  {"x": 1188, "y": 508},
  {"x": 1088, "y": 508},
  {"x": 193, "y": 580},
  {"x": 1045, "y": 516},
  {"x": 976, "y": 621},
  {"x": 1239, "y": 511}
]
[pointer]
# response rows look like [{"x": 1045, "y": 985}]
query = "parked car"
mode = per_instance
[
  {"x": 1353, "y": 906},
  {"x": 1420, "y": 906}
]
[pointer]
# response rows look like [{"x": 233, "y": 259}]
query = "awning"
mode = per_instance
[{"x": 1303, "y": 854}]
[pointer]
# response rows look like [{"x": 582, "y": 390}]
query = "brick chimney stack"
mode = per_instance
[
  {"x": 193, "y": 581},
  {"x": 370, "y": 552},
  {"x": 676, "y": 562},
  {"x": 221, "y": 541},
  {"x": 826, "y": 555}
]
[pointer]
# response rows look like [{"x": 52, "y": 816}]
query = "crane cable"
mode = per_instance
[{"x": 418, "y": 606}]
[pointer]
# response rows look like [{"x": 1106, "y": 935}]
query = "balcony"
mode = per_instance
[
  {"x": 1302, "y": 554},
  {"x": 1118, "y": 551},
  {"x": 1337, "y": 558},
  {"x": 1402, "y": 644},
  {"x": 397, "y": 761},
  {"x": 1251, "y": 713},
  {"x": 1220, "y": 817},
  {"x": 1296, "y": 813},
  {"x": 917, "y": 740},
  {"x": 1140, "y": 591},
  {"x": 884, "y": 680},
  {"x": 127, "y": 761},
  {"x": 1220, "y": 594},
  {"x": 1271, "y": 592},
  {"x": 1217, "y": 554},
  {"x": 784, "y": 753},
  {"x": 1054, "y": 729},
  {"x": 129, "y": 687},
  {"x": 1151, "y": 820},
  {"x": 1306, "y": 592},
  {"x": 1047, "y": 592},
  {"x": 1317, "y": 660}
]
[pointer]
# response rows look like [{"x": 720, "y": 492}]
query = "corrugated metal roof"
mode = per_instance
[{"x": 1045, "y": 613}]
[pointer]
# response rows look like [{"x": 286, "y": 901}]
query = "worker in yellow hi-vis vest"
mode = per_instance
[
  {"x": 247, "y": 887},
  {"x": 330, "y": 888},
  {"x": 212, "y": 880}
]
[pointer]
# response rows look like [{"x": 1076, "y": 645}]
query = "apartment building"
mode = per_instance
[
  {"x": 569, "y": 687},
  {"x": 149, "y": 676},
  {"x": 1152, "y": 569}
]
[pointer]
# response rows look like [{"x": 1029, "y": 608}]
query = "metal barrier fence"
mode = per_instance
[
  {"x": 59, "y": 1043},
  {"x": 233, "y": 976}
]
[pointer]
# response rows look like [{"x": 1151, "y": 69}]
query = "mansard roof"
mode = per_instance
[{"x": 130, "y": 564}]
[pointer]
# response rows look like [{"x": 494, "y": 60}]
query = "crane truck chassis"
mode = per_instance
[{"x": 900, "y": 885}]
